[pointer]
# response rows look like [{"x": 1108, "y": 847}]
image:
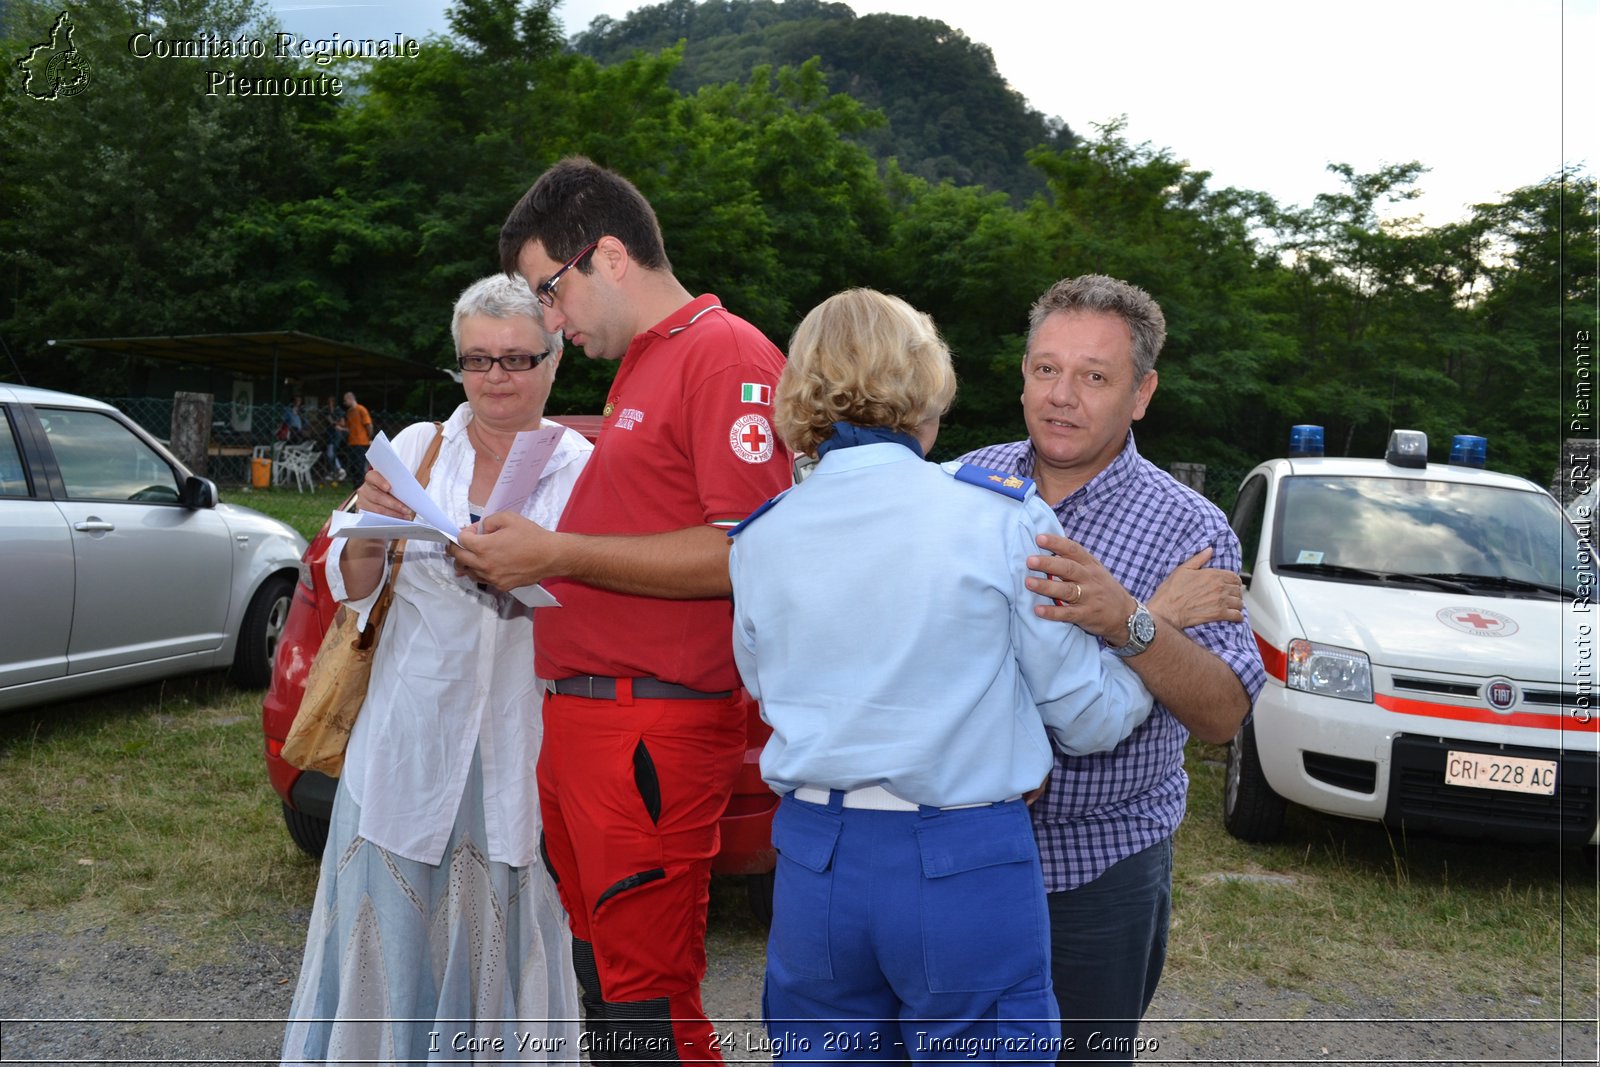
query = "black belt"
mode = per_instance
[{"x": 587, "y": 685}]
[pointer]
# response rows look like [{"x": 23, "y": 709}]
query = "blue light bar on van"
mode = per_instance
[
  {"x": 1468, "y": 450},
  {"x": 1305, "y": 440},
  {"x": 1407, "y": 448}
]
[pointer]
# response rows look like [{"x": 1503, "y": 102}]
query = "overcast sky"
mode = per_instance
[{"x": 1490, "y": 95}]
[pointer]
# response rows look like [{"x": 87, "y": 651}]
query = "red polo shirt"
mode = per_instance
[{"x": 686, "y": 440}]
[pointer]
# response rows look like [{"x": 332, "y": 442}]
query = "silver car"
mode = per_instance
[{"x": 117, "y": 565}]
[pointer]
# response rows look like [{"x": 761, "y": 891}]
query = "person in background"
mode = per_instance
[
  {"x": 358, "y": 435},
  {"x": 908, "y": 724},
  {"x": 292, "y": 430},
  {"x": 1105, "y": 822},
  {"x": 332, "y": 436},
  {"x": 644, "y": 719},
  {"x": 432, "y": 919}
]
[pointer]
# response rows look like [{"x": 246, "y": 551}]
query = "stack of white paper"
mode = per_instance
[{"x": 518, "y": 477}]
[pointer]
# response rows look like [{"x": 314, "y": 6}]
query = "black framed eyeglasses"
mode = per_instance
[
  {"x": 547, "y": 288},
  {"x": 514, "y": 362}
]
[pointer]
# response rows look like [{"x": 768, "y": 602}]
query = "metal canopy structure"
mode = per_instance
[{"x": 275, "y": 354}]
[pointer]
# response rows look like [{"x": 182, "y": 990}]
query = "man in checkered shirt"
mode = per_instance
[{"x": 1105, "y": 822}]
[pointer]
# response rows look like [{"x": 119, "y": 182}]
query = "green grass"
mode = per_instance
[
  {"x": 1341, "y": 907},
  {"x": 148, "y": 813},
  {"x": 306, "y": 512}
]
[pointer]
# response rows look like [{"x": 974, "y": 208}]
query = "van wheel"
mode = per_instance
[{"x": 1250, "y": 809}]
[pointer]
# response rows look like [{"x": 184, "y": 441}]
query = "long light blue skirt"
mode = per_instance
[{"x": 469, "y": 961}]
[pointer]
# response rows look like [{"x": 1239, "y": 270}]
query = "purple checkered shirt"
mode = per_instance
[{"x": 1140, "y": 522}]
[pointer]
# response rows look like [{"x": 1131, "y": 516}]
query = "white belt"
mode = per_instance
[{"x": 875, "y": 798}]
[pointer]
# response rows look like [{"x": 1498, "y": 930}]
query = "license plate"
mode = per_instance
[{"x": 1510, "y": 773}]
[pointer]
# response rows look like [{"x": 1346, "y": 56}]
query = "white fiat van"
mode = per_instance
[{"x": 1428, "y": 635}]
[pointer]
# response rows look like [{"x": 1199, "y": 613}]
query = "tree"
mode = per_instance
[
  {"x": 114, "y": 195},
  {"x": 950, "y": 113},
  {"x": 1524, "y": 380},
  {"x": 967, "y": 257},
  {"x": 417, "y": 172},
  {"x": 1135, "y": 213},
  {"x": 787, "y": 145},
  {"x": 1357, "y": 284}
]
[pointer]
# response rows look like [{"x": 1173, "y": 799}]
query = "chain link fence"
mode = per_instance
[{"x": 241, "y": 433}]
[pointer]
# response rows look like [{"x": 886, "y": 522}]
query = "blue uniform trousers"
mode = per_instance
[{"x": 913, "y": 935}]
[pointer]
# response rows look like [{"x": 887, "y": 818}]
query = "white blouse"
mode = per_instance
[{"x": 453, "y": 673}]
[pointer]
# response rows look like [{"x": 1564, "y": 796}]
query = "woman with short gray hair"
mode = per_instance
[{"x": 436, "y": 933}]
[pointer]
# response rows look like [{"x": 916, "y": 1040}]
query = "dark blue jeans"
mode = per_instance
[
  {"x": 1108, "y": 943},
  {"x": 358, "y": 465}
]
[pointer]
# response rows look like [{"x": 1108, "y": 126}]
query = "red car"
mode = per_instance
[{"x": 308, "y": 795}]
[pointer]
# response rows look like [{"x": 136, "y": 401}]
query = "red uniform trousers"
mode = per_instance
[{"x": 631, "y": 792}]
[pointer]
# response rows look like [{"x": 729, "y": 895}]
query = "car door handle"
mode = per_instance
[{"x": 94, "y": 526}]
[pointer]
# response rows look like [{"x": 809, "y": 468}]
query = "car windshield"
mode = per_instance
[{"x": 1433, "y": 534}]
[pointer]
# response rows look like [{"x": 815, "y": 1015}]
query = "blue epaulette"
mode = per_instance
[
  {"x": 1011, "y": 485},
  {"x": 757, "y": 513}
]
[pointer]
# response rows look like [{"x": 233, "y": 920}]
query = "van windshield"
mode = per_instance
[{"x": 1447, "y": 535}]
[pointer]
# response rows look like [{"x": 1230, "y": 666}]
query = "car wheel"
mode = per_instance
[
  {"x": 308, "y": 831},
  {"x": 758, "y": 888},
  {"x": 259, "y": 633},
  {"x": 1250, "y": 809}
]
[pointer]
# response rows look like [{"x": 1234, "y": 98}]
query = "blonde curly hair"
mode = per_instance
[{"x": 864, "y": 357}]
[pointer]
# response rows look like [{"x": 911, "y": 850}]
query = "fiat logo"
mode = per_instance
[{"x": 1501, "y": 694}]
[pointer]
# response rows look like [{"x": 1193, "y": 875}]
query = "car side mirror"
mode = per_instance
[{"x": 198, "y": 493}]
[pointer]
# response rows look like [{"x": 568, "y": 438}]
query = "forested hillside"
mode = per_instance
[
  {"x": 142, "y": 206},
  {"x": 951, "y": 115}
]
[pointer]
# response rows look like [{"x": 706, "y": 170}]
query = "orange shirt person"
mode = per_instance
[{"x": 358, "y": 424}]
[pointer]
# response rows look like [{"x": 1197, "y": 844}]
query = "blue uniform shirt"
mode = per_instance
[{"x": 880, "y": 617}]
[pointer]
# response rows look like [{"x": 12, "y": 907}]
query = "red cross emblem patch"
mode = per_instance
[{"x": 751, "y": 438}]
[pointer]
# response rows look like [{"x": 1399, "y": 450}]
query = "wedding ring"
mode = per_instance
[{"x": 1077, "y": 593}]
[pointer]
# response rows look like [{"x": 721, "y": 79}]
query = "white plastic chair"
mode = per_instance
[{"x": 295, "y": 461}]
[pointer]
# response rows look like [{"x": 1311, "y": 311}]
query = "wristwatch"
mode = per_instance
[{"x": 1141, "y": 631}]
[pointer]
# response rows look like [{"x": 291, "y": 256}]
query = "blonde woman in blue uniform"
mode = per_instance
[{"x": 914, "y": 695}]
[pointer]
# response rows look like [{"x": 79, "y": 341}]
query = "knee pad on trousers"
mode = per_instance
[
  {"x": 659, "y": 1030},
  {"x": 640, "y": 1031},
  {"x": 595, "y": 1029}
]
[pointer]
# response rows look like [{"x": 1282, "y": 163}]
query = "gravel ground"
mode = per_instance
[{"x": 88, "y": 998}]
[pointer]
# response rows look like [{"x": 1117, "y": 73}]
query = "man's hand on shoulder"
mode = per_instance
[
  {"x": 1083, "y": 591},
  {"x": 1192, "y": 682}
]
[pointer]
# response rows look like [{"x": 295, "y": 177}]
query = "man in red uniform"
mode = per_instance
[{"x": 643, "y": 724}]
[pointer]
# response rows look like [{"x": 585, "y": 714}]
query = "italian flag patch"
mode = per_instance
[{"x": 754, "y": 393}]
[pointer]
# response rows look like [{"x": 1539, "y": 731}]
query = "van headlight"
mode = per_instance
[{"x": 1329, "y": 671}]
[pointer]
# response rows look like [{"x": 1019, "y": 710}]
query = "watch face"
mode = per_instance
[
  {"x": 1142, "y": 627},
  {"x": 1141, "y": 631}
]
